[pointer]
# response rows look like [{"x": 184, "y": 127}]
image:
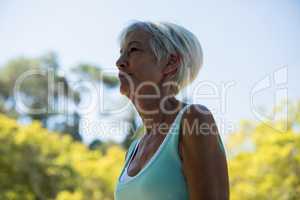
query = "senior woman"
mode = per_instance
[{"x": 180, "y": 156}]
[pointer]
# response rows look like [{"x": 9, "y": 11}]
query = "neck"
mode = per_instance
[{"x": 158, "y": 114}]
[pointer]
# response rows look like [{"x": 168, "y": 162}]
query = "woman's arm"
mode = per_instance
[{"x": 204, "y": 162}]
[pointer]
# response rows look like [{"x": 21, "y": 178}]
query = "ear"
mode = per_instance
[{"x": 172, "y": 66}]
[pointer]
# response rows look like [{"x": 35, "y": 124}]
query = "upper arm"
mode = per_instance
[{"x": 204, "y": 162}]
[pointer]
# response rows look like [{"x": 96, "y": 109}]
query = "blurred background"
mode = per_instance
[{"x": 65, "y": 127}]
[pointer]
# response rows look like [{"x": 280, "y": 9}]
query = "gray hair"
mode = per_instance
[{"x": 168, "y": 38}]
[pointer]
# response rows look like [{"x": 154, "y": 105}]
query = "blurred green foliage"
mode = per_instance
[
  {"x": 38, "y": 164},
  {"x": 265, "y": 159},
  {"x": 41, "y": 83}
]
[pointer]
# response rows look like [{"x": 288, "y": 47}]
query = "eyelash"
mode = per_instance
[{"x": 131, "y": 50}]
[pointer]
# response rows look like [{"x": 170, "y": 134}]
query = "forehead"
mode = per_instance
[{"x": 139, "y": 37}]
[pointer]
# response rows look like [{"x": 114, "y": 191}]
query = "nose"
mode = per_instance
[{"x": 122, "y": 62}]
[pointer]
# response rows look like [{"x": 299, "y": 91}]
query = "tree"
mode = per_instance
[
  {"x": 94, "y": 73},
  {"x": 28, "y": 78},
  {"x": 265, "y": 163},
  {"x": 38, "y": 164},
  {"x": 43, "y": 86}
]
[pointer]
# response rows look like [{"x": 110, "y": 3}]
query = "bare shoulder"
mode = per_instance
[
  {"x": 204, "y": 163},
  {"x": 199, "y": 135},
  {"x": 198, "y": 126}
]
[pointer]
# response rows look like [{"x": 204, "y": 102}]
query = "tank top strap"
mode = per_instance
[
  {"x": 131, "y": 149},
  {"x": 177, "y": 122},
  {"x": 129, "y": 152},
  {"x": 174, "y": 134},
  {"x": 128, "y": 155}
]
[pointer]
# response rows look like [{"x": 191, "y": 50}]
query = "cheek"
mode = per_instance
[{"x": 147, "y": 71}]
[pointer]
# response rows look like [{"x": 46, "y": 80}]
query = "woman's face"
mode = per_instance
[{"x": 139, "y": 71}]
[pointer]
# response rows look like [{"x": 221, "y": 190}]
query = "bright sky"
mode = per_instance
[{"x": 243, "y": 41}]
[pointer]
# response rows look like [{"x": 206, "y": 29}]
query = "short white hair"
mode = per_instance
[{"x": 169, "y": 38}]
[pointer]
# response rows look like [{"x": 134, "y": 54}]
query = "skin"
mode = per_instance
[{"x": 204, "y": 165}]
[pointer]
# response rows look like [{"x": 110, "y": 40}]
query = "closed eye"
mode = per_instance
[
  {"x": 130, "y": 50},
  {"x": 133, "y": 49}
]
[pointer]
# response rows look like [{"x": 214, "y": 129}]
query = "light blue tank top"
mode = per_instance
[{"x": 162, "y": 177}]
